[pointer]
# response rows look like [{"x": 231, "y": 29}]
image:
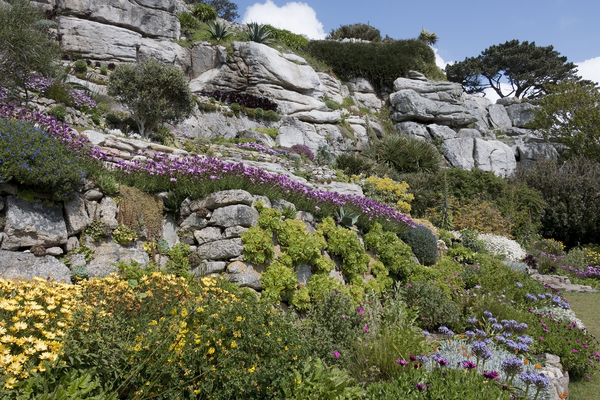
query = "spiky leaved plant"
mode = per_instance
[
  {"x": 218, "y": 30},
  {"x": 259, "y": 33}
]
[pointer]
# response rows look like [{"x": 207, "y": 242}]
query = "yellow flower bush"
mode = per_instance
[
  {"x": 390, "y": 192},
  {"x": 34, "y": 317}
]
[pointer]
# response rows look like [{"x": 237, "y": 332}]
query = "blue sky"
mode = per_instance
[{"x": 464, "y": 27}]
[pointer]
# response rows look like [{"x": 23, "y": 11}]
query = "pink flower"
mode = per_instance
[
  {"x": 173, "y": 179},
  {"x": 575, "y": 351},
  {"x": 336, "y": 354},
  {"x": 360, "y": 310},
  {"x": 366, "y": 329}
]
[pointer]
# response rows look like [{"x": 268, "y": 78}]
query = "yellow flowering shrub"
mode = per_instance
[
  {"x": 388, "y": 191},
  {"x": 34, "y": 317}
]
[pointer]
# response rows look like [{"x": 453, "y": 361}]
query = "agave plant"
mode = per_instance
[
  {"x": 218, "y": 30},
  {"x": 259, "y": 33},
  {"x": 347, "y": 218}
]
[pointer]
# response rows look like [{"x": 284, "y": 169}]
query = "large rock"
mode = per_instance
[
  {"x": 107, "y": 253},
  {"x": 459, "y": 152},
  {"x": 268, "y": 66},
  {"x": 76, "y": 215},
  {"x": 205, "y": 57},
  {"x": 521, "y": 114},
  {"x": 234, "y": 215},
  {"x": 221, "y": 249},
  {"x": 293, "y": 131},
  {"x": 361, "y": 85},
  {"x": 97, "y": 40},
  {"x": 441, "y": 132},
  {"x": 368, "y": 100},
  {"x": 15, "y": 265},
  {"x": 150, "y": 18},
  {"x": 499, "y": 117},
  {"x": 207, "y": 235},
  {"x": 227, "y": 198},
  {"x": 245, "y": 274},
  {"x": 165, "y": 51},
  {"x": 319, "y": 117},
  {"x": 342, "y": 188},
  {"x": 169, "y": 231},
  {"x": 108, "y": 209},
  {"x": 31, "y": 223},
  {"x": 413, "y": 129},
  {"x": 449, "y": 89},
  {"x": 410, "y": 106},
  {"x": 333, "y": 87},
  {"x": 529, "y": 153},
  {"x": 495, "y": 156}
]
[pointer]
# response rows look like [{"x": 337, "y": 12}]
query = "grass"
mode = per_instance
[{"x": 585, "y": 306}]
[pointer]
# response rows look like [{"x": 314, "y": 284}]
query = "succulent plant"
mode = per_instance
[
  {"x": 347, "y": 219},
  {"x": 162, "y": 246},
  {"x": 79, "y": 273},
  {"x": 202, "y": 213},
  {"x": 38, "y": 250}
]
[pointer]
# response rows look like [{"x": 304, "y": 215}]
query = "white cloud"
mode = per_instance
[
  {"x": 493, "y": 96},
  {"x": 439, "y": 61},
  {"x": 590, "y": 69},
  {"x": 296, "y": 17}
]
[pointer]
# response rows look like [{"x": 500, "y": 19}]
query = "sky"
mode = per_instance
[{"x": 465, "y": 27}]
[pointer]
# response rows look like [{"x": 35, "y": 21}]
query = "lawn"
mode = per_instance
[{"x": 586, "y": 306}]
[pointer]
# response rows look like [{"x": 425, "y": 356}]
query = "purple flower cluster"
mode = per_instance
[
  {"x": 530, "y": 297},
  {"x": 480, "y": 350},
  {"x": 445, "y": 331},
  {"x": 516, "y": 347},
  {"x": 256, "y": 147},
  {"x": 302, "y": 150},
  {"x": 38, "y": 83},
  {"x": 512, "y": 366},
  {"x": 538, "y": 380},
  {"x": 589, "y": 272},
  {"x": 442, "y": 362},
  {"x": 80, "y": 99},
  {"x": 491, "y": 375},
  {"x": 199, "y": 168}
]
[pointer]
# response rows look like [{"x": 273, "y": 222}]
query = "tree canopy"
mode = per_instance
[
  {"x": 25, "y": 45},
  {"x": 154, "y": 92},
  {"x": 570, "y": 112},
  {"x": 356, "y": 31},
  {"x": 526, "y": 68},
  {"x": 225, "y": 9}
]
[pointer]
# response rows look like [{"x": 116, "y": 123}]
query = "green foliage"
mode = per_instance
[
  {"x": 300, "y": 246},
  {"x": 287, "y": 38},
  {"x": 224, "y": 8},
  {"x": 107, "y": 184},
  {"x": 26, "y": 47},
  {"x": 527, "y": 67},
  {"x": 572, "y": 214},
  {"x": 279, "y": 282},
  {"x": 271, "y": 115},
  {"x": 332, "y": 105},
  {"x": 394, "y": 253},
  {"x": 33, "y": 159},
  {"x": 438, "y": 384},
  {"x": 316, "y": 381},
  {"x": 404, "y": 154},
  {"x": 124, "y": 235},
  {"x": 258, "y": 245},
  {"x": 104, "y": 70},
  {"x": 58, "y": 93},
  {"x": 188, "y": 22},
  {"x": 59, "y": 112},
  {"x": 204, "y": 12},
  {"x": 179, "y": 261},
  {"x": 347, "y": 218},
  {"x": 570, "y": 112},
  {"x": 433, "y": 307},
  {"x": 324, "y": 155},
  {"x": 334, "y": 324},
  {"x": 80, "y": 66},
  {"x": 259, "y": 33},
  {"x": 470, "y": 239},
  {"x": 356, "y": 31},
  {"x": 423, "y": 244},
  {"x": 218, "y": 31},
  {"x": 154, "y": 92},
  {"x": 379, "y": 63},
  {"x": 64, "y": 386},
  {"x": 289, "y": 212},
  {"x": 430, "y": 38},
  {"x": 345, "y": 244},
  {"x": 79, "y": 273},
  {"x": 96, "y": 229}
]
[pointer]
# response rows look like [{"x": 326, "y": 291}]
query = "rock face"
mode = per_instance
[
  {"x": 31, "y": 223},
  {"x": 14, "y": 265},
  {"x": 221, "y": 249},
  {"x": 107, "y": 253},
  {"x": 234, "y": 215},
  {"x": 76, "y": 215},
  {"x": 408, "y": 105},
  {"x": 245, "y": 274}
]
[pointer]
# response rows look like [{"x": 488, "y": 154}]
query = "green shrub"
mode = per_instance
[
  {"x": 405, "y": 154},
  {"x": 104, "y": 70},
  {"x": 188, "y": 22},
  {"x": 345, "y": 244},
  {"x": 204, "y": 12},
  {"x": 59, "y": 112},
  {"x": 356, "y": 31},
  {"x": 179, "y": 260},
  {"x": 279, "y": 282},
  {"x": 258, "y": 245},
  {"x": 470, "y": 239},
  {"x": 392, "y": 252},
  {"x": 423, "y": 244},
  {"x": 271, "y": 115},
  {"x": 287, "y": 38},
  {"x": 58, "y": 93},
  {"x": 353, "y": 164},
  {"x": 379, "y": 63},
  {"x": 124, "y": 235},
  {"x": 32, "y": 158},
  {"x": 259, "y": 33},
  {"x": 107, "y": 184},
  {"x": 570, "y": 190},
  {"x": 80, "y": 66},
  {"x": 333, "y": 324},
  {"x": 434, "y": 308}
]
